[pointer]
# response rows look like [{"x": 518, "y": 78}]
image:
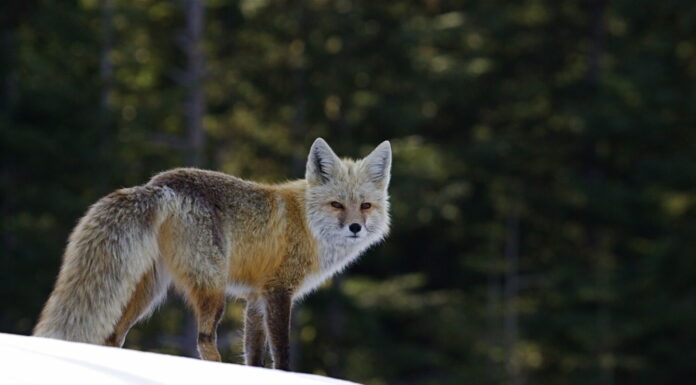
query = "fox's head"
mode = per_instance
[{"x": 347, "y": 200}]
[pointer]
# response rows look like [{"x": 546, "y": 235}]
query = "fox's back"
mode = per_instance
[{"x": 218, "y": 192}]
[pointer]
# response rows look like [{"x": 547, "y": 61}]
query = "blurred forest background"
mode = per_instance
[{"x": 543, "y": 189}]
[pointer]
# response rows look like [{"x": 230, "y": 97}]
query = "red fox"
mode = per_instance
[{"x": 213, "y": 235}]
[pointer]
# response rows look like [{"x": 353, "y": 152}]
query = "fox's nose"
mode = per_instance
[{"x": 355, "y": 228}]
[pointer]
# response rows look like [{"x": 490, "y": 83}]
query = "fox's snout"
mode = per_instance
[{"x": 355, "y": 228}]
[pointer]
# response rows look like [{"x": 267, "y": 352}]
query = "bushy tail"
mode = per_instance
[{"x": 108, "y": 252}]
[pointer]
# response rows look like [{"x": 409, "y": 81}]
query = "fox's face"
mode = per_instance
[{"x": 347, "y": 200}]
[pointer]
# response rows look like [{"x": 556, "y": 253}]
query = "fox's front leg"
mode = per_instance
[
  {"x": 254, "y": 336},
  {"x": 278, "y": 304}
]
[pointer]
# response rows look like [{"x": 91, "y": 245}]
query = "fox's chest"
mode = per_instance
[{"x": 332, "y": 260}]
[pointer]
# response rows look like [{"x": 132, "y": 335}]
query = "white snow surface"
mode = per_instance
[{"x": 37, "y": 361}]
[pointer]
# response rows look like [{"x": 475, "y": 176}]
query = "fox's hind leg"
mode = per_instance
[
  {"x": 195, "y": 252},
  {"x": 148, "y": 293},
  {"x": 208, "y": 303},
  {"x": 209, "y": 306}
]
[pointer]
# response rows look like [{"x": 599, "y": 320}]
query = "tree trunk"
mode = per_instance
[
  {"x": 602, "y": 269},
  {"x": 493, "y": 320},
  {"x": 106, "y": 70},
  {"x": 8, "y": 96},
  {"x": 106, "y": 76},
  {"x": 511, "y": 288},
  {"x": 194, "y": 105}
]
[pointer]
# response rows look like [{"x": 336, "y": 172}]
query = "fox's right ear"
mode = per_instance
[{"x": 321, "y": 162}]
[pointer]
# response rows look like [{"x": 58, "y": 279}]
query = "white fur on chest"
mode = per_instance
[{"x": 333, "y": 259}]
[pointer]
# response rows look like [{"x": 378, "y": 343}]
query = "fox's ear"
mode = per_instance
[
  {"x": 378, "y": 164},
  {"x": 321, "y": 162}
]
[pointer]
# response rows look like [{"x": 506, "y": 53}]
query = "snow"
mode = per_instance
[{"x": 37, "y": 361}]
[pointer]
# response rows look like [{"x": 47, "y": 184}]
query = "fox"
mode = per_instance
[{"x": 211, "y": 236}]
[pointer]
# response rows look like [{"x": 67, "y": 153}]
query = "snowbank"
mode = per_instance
[{"x": 38, "y": 361}]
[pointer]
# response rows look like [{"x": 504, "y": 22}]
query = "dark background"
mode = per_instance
[{"x": 543, "y": 192}]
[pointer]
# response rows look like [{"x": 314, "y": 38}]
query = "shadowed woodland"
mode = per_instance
[{"x": 543, "y": 187}]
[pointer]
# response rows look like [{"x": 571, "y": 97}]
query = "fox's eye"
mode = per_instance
[
  {"x": 365, "y": 206},
  {"x": 336, "y": 205}
]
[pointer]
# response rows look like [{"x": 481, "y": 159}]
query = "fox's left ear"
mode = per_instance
[{"x": 378, "y": 164}]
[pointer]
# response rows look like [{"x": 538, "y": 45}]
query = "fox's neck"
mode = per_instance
[{"x": 334, "y": 258}]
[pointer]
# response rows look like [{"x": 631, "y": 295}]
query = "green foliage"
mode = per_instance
[{"x": 543, "y": 181}]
